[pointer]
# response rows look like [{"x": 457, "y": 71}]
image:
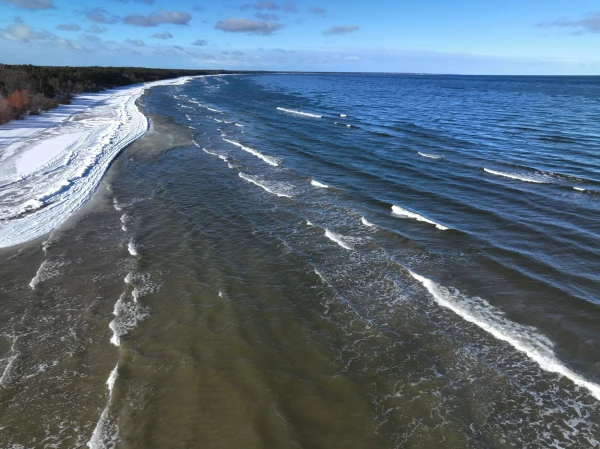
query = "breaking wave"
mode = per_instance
[
  {"x": 305, "y": 114},
  {"x": 397, "y": 210},
  {"x": 268, "y": 159},
  {"x": 520, "y": 177}
]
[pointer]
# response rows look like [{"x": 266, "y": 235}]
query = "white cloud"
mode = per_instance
[
  {"x": 248, "y": 26},
  {"x": 158, "y": 17},
  {"x": 32, "y": 4},
  {"x": 344, "y": 29}
]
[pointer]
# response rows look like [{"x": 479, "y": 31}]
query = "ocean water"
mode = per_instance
[{"x": 322, "y": 261}]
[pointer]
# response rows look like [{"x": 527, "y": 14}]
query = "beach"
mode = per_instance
[{"x": 303, "y": 260}]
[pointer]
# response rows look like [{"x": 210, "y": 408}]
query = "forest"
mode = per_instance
[{"x": 30, "y": 89}]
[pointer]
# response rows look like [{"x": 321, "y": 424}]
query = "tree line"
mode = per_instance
[{"x": 29, "y": 89}]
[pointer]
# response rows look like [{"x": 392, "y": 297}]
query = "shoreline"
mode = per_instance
[{"x": 51, "y": 164}]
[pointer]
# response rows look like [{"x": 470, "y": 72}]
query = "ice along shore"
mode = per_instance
[{"x": 50, "y": 165}]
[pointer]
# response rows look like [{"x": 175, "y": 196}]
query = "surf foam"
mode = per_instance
[
  {"x": 220, "y": 156},
  {"x": 273, "y": 188},
  {"x": 112, "y": 378},
  {"x": 430, "y": 156},
  {"x": 397, "y": 210},
  {"x": 132, "y": 249},
  {"x": 367, "y": 223},
  {"x": 106, "y": 432},
  {"x": 47, "y": 270},
  {"x": 318, "y": 184},
  {"x": 520, "y": 177},
  {"x": 268, "y": 159},
  {"x": 337, "y": 239},
  {"x": 305, "y": 114},
  {"x": 9, "y": 364},
  {"x": 525, "y": 339}
]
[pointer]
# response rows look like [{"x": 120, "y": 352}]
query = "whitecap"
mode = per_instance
[
  {"x": 305, "y": 114},
  {"x": 47, "y": 270},
  {"x": 520, "y": 177},
  {"x": 124, "y": 220},
  {"x": 397, "y": 210},
  {"x": 205, "y": 107},
  {"x": 132, "y": 249},
  {"x": 366, "y": 222},
  {"x": 525, "y": 339},
  {"x": 428, "y": 155},
  {"x": 278, "y": 189},
  {"x": 6, "y": 373},
  {"x": 106, "y": 433},
  {"x": 318, "y": 184},
  {"x": 580, "y": 189},
  {"x": 268, "y": 159},
  {"x": 337, "y": 239},
  {"x": 112, "y": 378},
  {"x": 213, "y": 153},
  {"x": 128, "y": 314}
]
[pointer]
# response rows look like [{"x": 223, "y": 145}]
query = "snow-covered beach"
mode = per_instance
[{"x": 52, "y": 163}]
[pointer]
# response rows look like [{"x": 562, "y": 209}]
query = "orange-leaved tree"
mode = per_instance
[{"x": 18, "y": 100}]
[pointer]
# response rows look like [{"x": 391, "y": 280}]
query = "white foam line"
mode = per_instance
[
  {"x": 515, "y": 176},
  {"x": 305, "y": 114},
  {"x": 430, "y": 156},
  {"x": 318, "y": 184},
  {"x": 112, "y": 379},
  {"x": 118, "y": 305},
  {"x": 106, "y": 434},
  {"x": 262, "y": 185},
  {"x": 309, "y": 223},
  {"x": 115, "y": 340},
  {"x": 318, "y": 273},
  {"x": 343, "y": 115},
  {"x": 205, "y": 107},
  {"x": 132, "y": 249},
  {"x": 124, "y": 220},
  {"x": 36, "y": 279},
  {"x": 397, "y": 210},
  {"x": 56, "y": 147},
  {"x": 220, "y": 156},
  {"x": 580, "y": 189},
  {"x": 523, "y": 338},
  {"x": 337, "y": 239},
  {"x": 11, "y": 361},
  {"x": 240, "y": 125},
  {"x": 268, "y": 159},
  {"x": 367, "y": 223}
]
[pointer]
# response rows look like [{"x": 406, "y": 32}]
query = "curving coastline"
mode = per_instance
[{"x": 50, "y": 165}]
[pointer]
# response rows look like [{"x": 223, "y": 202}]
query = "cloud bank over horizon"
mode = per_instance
[{"x": 305, "y": 36}]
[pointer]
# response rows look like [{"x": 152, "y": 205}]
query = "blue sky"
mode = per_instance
[{"x": 426, "y": 36}]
